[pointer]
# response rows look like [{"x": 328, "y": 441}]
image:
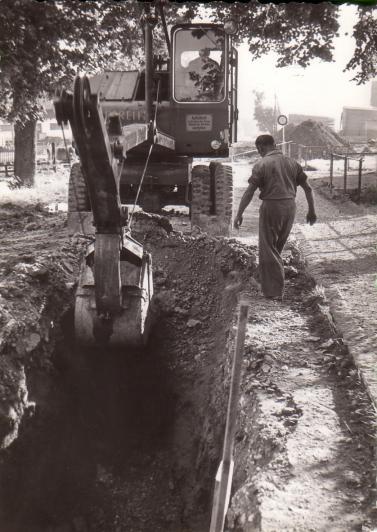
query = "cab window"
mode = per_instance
[{"x": 199, "y": 65}]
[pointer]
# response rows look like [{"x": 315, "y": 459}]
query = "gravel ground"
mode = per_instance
[{"x": 340, "y": 250}]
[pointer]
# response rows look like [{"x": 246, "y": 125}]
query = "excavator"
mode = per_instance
[{"x": 136, "y": 134}]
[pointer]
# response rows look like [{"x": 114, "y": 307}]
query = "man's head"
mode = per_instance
[
  {"x": 204, "y": 52},
  {"x": 265, "y": 144}
]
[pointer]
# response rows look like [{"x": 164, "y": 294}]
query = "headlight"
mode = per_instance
[
  {"x": 215, "y": 144},
  {"x": 230, "y": 26}
]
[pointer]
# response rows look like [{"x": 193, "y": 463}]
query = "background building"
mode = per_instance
[
  {"x": 359, "y": 124},
  {"x": 373, "y": 94},
  {"x": 47, "y": 130}
]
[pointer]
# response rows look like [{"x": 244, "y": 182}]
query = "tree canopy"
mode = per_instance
[
  {"x": 297, "y": 32},
  {"x": 43, "y": 43},
  {"x": 364, "y": 60},
  {"x": 264, "y": 115}
]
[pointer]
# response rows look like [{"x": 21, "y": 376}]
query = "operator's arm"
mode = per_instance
[
  {"x": 254, "y": 183},
  {"x": 245, "y": 200},
  {"x": 302, "y": 180}
]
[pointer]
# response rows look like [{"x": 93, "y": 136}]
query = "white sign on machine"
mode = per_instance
[{"x": 199, "y": 122}]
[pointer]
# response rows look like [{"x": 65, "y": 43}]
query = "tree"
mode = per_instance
[
  {"x": 301, "y": 32},
  {"x": 265, "y": 116},
  {"x": 365, "y": 35},
  {"x": 43, "y": 44},
  {"x": 297, "y": 32}
]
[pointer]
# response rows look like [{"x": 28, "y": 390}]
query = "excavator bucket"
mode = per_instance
[{"x": 129, "y": 324}]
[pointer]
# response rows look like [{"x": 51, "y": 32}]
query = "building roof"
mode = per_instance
[
  {"x": 304, "y": 116},
  {"x": 113, "y": 85},
  {"x": 347, "y": 108}
]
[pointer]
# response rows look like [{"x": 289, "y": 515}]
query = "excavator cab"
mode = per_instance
[{"x": 202, "y": 96}]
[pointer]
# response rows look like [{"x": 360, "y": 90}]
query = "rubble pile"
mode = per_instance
[
  {"x": 312, "y": 134},
  {"x": 192, "y": 271}
]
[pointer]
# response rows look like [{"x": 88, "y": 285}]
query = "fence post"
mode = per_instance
[
  {"x": 331, "y": 171},
  {"x": 345, "y": 174},
  {"x": 359, "y": 181},
  {"x": 306, "y": 156},
  {"x": 299, "y": 153},
  {"x": 53, "y": 154}
]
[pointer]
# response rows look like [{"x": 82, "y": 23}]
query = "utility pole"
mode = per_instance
[{"x": 274, "y": 128}]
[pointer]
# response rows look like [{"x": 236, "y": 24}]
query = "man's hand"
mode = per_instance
[
  {"x": 311, "y": 217},
  {"x": 238, "y": 221}
]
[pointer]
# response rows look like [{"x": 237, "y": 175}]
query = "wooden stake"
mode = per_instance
[{"x": 224, "y": 475}]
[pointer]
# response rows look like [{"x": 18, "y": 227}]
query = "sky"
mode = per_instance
[{"x": 321, "y": 89}]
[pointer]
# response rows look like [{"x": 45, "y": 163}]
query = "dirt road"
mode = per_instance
[
  {"x": 340, "y": 250},
  {"x": 320, "y": 453}
]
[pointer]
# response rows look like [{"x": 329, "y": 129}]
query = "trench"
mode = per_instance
[{"x": 130, "y": 440}]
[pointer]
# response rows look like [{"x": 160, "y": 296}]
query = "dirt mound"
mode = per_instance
[
  {"x": 312, "y": 133},
  {"x": 37, "y": 267}
]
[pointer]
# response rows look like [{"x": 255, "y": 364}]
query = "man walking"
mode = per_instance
[{"x": 277, "y": 177}]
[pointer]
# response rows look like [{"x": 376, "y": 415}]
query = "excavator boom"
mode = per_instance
[{"x": 115, "y": 284}]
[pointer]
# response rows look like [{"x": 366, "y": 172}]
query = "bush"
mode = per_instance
[{"x": 368, "y": 195}]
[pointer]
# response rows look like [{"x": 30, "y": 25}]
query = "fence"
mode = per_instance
[
  {"x": 301, "y": 152},
  {"x": 308, "y": 152},
  {"x": 47, "y": 158},
  {"x": 347, "y": 157},
  {"x": 6, "y": 162},
  {"x": 243, "y": 153},
  {"x": 285, "y": 146}
]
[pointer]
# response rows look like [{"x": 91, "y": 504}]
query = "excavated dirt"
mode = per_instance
[
  {"x": 115, "y": 440},
  {"x": 312, "y": 133},
  {"x": 106, "y": 441}
]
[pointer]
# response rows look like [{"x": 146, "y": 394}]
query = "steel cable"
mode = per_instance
[{"x": 146, "y": 162}]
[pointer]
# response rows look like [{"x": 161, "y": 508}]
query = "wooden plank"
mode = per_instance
[{"x": 223, "y": 483}]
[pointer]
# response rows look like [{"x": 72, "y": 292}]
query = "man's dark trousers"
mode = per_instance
[{"x": 276, "y": 218}]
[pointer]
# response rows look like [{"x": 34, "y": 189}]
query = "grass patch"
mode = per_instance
[
  {"x": 49, "y": 188},
  {"x": 368, "y": 195}
]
